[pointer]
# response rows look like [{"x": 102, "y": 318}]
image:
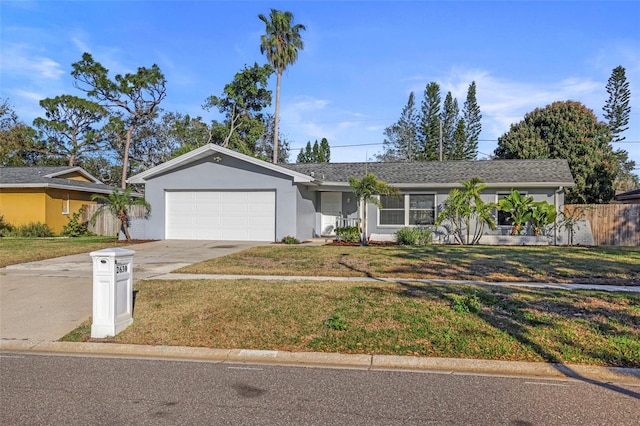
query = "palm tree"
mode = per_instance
[
  {"x": 281, "y": 44},
  {"x": 118, "y": 203},
  {"x": 366, "y": 190}
]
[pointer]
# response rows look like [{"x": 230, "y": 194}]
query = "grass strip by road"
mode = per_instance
[
  {"x": 597, "y": 265},
  {"x": 21, "y": 250},
  {"x": 461, "y": 321}
]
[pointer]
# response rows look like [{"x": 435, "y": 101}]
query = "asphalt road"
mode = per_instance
[{"x": 81, "y": 390}]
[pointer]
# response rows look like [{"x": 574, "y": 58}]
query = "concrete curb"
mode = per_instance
[{"x": 540, "y": 370}]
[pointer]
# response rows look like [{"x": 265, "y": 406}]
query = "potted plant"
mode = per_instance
[
  {"x": 519, "y": 208},
  {"x": 542, "y": 214}
]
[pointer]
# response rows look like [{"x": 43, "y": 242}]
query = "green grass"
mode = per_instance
[
  {"x": 598, "y": 265},
  {"x": 461, "y": 321},
  {"x": 21, "y": 250}
]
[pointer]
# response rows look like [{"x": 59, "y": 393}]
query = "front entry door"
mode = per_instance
[{"x": 331, "y": 209}]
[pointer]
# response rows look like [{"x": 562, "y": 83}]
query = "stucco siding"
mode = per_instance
[
  {"x": 306, "y": 212},
  {"x": 56, "y": 204},
  {"x": 226, "y": 174},
  {"x": 22, "y": 206}
]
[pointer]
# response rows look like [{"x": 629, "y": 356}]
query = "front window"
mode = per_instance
[
  {"x": 408, "y": 209},
  {"x": 392, "y": 212}
]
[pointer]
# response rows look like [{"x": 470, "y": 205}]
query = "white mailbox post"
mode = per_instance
[{"x": 112, "y": 291}]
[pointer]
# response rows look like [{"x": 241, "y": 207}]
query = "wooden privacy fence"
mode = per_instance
[
  {"x": 107, "y": 223},
  {"x": 611, "y": 224}
]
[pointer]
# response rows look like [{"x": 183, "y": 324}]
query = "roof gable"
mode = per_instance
[
  {"x": 72, "y": 178},
  {"x": 209, "y": 150}
]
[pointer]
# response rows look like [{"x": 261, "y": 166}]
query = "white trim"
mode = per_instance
[
  {"x": 71, "y": 170},
  {"x": 59, "y": 186},
  {"x": 205, "y": 151}
]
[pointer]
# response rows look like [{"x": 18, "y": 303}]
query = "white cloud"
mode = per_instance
[{"x": 19, "y": 59}]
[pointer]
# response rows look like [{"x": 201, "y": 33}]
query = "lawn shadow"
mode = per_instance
[
  {"x": 598, "y": 265},
  {"x": 513, "y": 322}
]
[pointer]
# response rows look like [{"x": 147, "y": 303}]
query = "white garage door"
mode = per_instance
[{"x": 221, "y": 215}]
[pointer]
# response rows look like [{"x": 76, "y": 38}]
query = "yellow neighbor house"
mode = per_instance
[{"x": 46, "y": 194}]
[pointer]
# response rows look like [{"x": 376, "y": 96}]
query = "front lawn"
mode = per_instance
[
  {"x": 21, "y": 250},
  {"x": 459, "y": 321},
  {"x": 598, "y": 265}
]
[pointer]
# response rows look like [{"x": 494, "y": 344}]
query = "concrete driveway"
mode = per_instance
[{"x": 47, "y": 299}]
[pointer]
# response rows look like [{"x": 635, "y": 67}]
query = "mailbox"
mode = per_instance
[{"x": 112, "y": 291}]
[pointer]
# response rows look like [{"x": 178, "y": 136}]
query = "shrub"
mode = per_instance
[
  {"x": 350, "y": 234},
  {"x": 290, "y": 240},
  {"x": 469, "y": 303},
  {"x": 32, "y": 230},
  {"x": 5, "y": 228},
  {"x": 414, "y": 236},
  {"x": 336, "y": 322},
  {"x": 76, "y": 227}
]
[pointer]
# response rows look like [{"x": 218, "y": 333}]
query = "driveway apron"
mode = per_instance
[{"x": 47, "y": 299}]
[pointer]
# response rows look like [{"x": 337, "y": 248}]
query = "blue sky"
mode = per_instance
[{"x": 360, "y": 62}]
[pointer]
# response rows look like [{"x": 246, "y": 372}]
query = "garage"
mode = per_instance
[{"x": 220, "y": 215}]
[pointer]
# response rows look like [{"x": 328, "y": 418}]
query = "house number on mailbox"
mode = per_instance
[{"x": 121, "y": 268}]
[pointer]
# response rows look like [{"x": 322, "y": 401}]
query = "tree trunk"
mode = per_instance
[
  {"x": 125, "y": 159},
  {"x": 124, "y": 226},
  {"x": 277, "y": 119}
]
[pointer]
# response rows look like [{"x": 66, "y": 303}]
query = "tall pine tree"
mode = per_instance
[
  {"x": 472, "y": 123},
  {"x": 429, "y": 128},
  {"x": 449, "y": 118},
  {"x": 617, "y": 109}
]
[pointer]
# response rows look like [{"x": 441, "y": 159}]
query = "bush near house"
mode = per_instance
[{"x": 414, "y": 236}]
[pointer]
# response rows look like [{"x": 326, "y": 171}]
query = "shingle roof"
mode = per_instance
[
  {"x": 23, "y": 177},
  {"x": 629, "y": 195},
  {"x": 497, "y": 172}
]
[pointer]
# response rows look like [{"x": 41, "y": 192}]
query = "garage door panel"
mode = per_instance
[{"x": 220, "y": 215}]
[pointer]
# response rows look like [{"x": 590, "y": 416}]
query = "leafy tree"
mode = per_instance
[
  {"x": 617, "y": 108},
  {"x": 472, "y": 123},
  {"x": 137, "y": 95},
  {"x": 241, "y": 103},
  {"x": 264, "y": 146},
  {"x": 281, "y": 43},
  {"x": 465, "y": 207},
  {"x": 625, "y": 180},
  {"x": 365, "y": 191},
  {"x": 18, "y": 141},
  {"x": 118, "y": 203},
  {"x": 567, "y": 130},
  {"x": 102, "y": 167},
  {"x": 429, "y": 128},
  {"x": 401, "y": 138},
  {"x": 70, "y": 126}
]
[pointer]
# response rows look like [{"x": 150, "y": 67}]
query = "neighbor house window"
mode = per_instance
[
  {"x": 407, "y": 209},
  {"x": 65, "y": 204}
]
